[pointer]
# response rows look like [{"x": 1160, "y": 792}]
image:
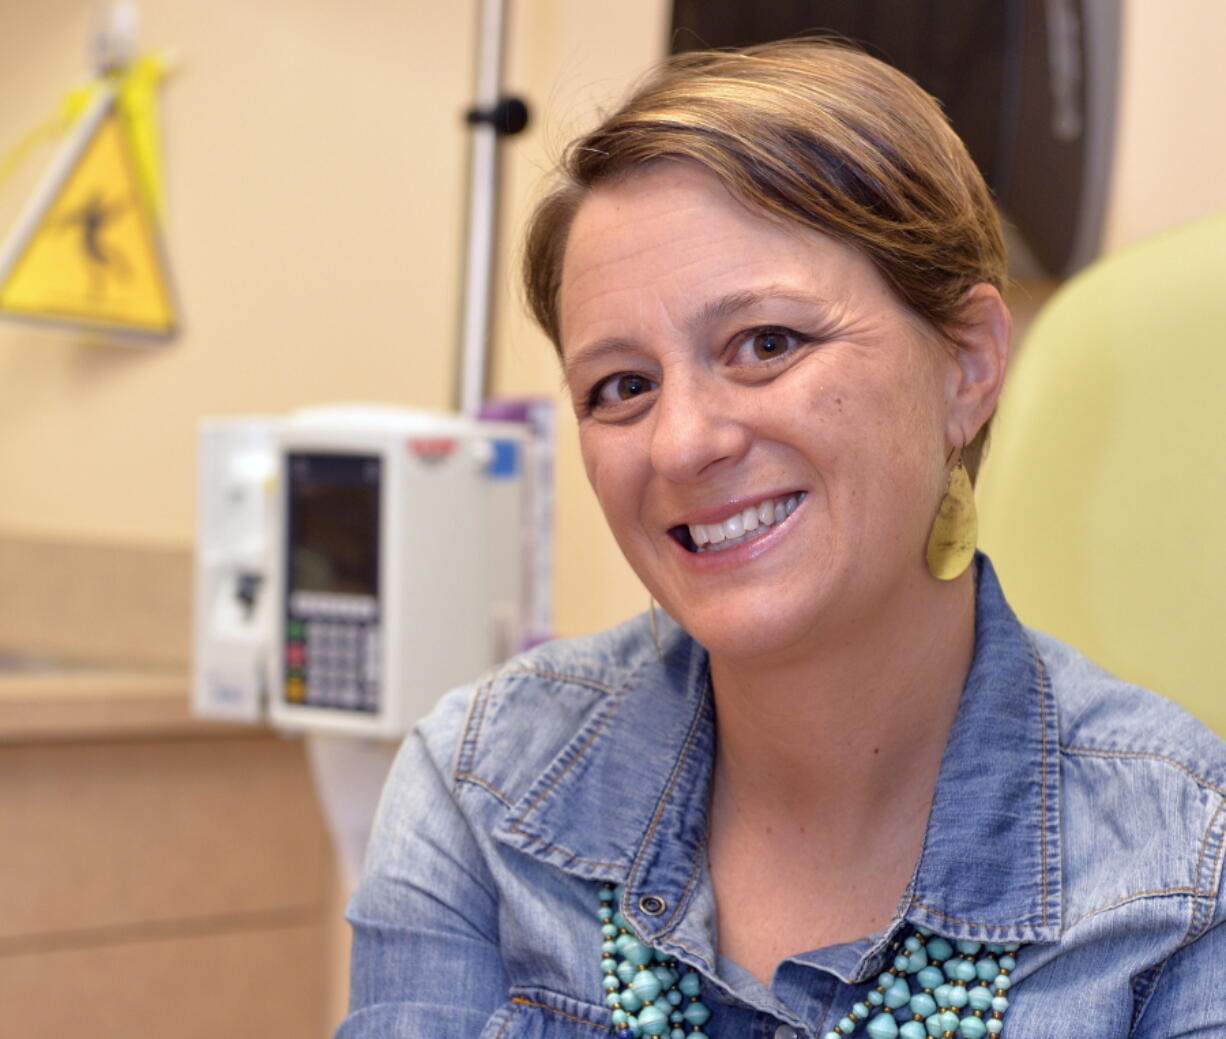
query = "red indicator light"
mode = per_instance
[{"x": 433, "y": 450}]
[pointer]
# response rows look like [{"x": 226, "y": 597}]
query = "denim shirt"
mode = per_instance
[{"x": 1074, "y": 813}]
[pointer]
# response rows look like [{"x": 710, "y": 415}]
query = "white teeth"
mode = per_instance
[{"x": 744, "y": 524}]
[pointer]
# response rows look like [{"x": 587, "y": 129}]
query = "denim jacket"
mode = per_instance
[{"x": 1074, "y": 813}]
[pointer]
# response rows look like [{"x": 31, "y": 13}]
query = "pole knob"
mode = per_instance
[{"x": 508, "y": 117}]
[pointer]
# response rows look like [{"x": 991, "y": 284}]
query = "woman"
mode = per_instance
[{"x": 838, "y": 789}]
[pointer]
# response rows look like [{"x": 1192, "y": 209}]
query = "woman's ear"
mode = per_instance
[{"x": 983, "y": 332}]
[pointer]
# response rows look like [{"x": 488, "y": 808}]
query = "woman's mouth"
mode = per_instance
[{"x": 751, "y": 522}]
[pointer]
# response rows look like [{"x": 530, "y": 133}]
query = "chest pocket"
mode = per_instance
[{"x": 539, "y": 1014}]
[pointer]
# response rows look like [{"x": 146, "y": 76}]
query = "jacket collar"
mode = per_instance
[
  {"x": 990, "y": 868},
  {"x": 626, "y": 801}
]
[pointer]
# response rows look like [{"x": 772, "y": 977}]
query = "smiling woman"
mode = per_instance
[
  {"x": 721, "y": 363},
  {"x": 838, "y": 788}
]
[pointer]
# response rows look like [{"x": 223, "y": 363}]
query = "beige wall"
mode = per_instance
[
  {"x": 315, "y": 166},
  {"x": 571, "y": 59},
  {"x": 1170, "y": 158}
]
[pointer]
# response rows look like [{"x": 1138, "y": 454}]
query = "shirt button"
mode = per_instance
[{"x": 785, "y": 1032}]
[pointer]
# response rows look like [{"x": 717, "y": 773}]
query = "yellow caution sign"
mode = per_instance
[{"x": 87, "y": 250}]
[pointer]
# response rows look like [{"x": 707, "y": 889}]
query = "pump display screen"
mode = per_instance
[
  {"x": 334, "y": 523},
  {"x": 332, "y": 610}
]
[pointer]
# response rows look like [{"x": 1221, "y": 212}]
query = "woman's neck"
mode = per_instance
[
  {"x": 858, "y": 724},
  {"x": 824, "y": 771}
]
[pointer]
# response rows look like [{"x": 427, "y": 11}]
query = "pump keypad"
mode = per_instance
[{"x": 332, "y": 652}]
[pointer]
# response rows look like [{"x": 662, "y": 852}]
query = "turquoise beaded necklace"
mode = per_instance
[{"x": 943, "y": 990}]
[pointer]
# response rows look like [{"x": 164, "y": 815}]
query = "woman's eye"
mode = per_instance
[
  {"x": 767, "y": 344},
  {"x": 619, "y": 388}
]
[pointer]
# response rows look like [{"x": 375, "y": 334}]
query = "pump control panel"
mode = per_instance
[{"x": 332, "y": 607}]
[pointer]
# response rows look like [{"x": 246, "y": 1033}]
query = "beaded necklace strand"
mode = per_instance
[{"x": 941, "y": 988}]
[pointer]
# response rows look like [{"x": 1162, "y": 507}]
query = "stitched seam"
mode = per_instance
[
  {"x": 473, "y": 725},
  {"x": 957, "y": 920},
  {"x": 1108, "y": 753},
  {"x": 1044, "y": 689},
  {"x": 1156, "y": 892},
  {"x": 579, "y": 753},
  {"x": 477, "y": 711},
  {"x": 468, "y": 777},
  {"x": 472, "y": 728},
  {"x": 561, "y": 1013},
  {"x": 1201, "y": 894},
  {"x": 672, "y": 779},
  {"x": 1200, "y": 876},
  {"x": 576, "y": 679},
  {"x": 683, "y": 900},
  {"x": 1204, "y": 844},
  {"x": 570, "y": 855},
  {"x": 549, "y": 846},
  {"x": 484, "y": 692},
  {"x": 690, "y": 737},
  {"x": 506, "y": 1022}
]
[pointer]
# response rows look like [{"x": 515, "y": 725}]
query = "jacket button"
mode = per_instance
[
  {"x": 652, "y": 905},
  {"x": 785, "y": 1032}
]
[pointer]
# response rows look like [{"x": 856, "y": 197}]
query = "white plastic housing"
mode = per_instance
[
  {"x": 447, "y": 605},
  {"x": 234, "y": 536}
]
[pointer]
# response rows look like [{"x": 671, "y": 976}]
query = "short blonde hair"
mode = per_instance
[{"x": 812, "y": 132}]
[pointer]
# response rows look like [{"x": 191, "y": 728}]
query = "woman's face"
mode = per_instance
[{"x": 764, "y": 424}]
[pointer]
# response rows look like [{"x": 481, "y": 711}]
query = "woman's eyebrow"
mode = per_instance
[
  {"x": 735, "y": 302},
  {"x": 592, "y": 352}
]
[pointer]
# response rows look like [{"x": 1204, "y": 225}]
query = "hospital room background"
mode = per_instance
[{"x": 169, "y": 872}]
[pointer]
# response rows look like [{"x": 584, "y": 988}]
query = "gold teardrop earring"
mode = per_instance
[{"x": 955, "y": 530}]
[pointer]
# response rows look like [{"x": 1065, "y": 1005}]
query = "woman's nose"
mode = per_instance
[{"x": 694, "y": 430}]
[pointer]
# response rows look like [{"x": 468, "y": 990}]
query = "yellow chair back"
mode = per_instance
[{"x": 1103, "y": 498}]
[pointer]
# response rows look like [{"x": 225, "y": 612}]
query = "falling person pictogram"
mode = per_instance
[{"x": 101, "y": 257}]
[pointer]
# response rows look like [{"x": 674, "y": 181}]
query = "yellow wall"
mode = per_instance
[
  {"x": 315, "y": 162},
  {"x": 315, "y": 168}
]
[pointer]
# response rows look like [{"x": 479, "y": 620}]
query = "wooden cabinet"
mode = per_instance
[{"x": 159, "y": 875}]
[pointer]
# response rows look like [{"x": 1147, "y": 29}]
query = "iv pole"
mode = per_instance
[{"x": 492, "y": 116}]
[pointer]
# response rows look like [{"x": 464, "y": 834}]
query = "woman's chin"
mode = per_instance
[{"x": 747, "y": 632}]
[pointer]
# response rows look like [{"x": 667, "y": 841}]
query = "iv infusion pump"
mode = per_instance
[{"x": 395, "y": 566}]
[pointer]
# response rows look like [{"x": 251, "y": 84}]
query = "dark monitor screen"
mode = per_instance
[{"x": 333, "y": 542}]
